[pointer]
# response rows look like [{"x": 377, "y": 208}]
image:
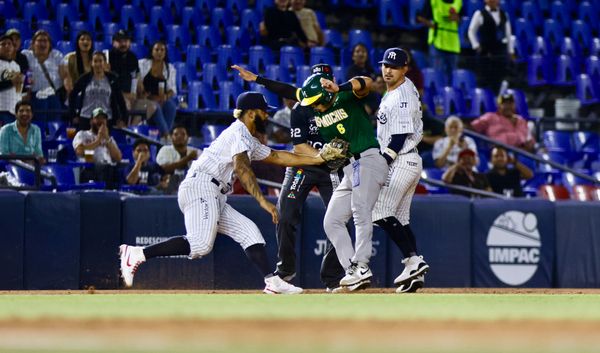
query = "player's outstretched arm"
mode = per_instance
[
  {"x": 360, "y": 85},
  {"x": 282, "y": 89},
  {"x": 288, "y": 159},
  {"x": 241, "y": 166}
]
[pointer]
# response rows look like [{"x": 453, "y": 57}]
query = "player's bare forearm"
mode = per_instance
[
  {"x": 288, "y": 159},
  {"x": 358, "y": 88},
  {"x": 305, "y": 148},
  {"x": 241, "y": 165}
]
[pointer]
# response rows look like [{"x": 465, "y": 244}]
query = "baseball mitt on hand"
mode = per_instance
[{"x": 335, "y": 153}]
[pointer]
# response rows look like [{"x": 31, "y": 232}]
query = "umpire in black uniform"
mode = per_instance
[{"x": 299, "y": 181}]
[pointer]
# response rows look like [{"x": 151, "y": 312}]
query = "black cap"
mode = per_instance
[
  {"x": 322, "y": 69},
  {"x": 252, "y": 100},
  {"x": 120, "y": 35},
  {"x": 506, "y": 97},
  {"x": 395, "y": 57},
  {"x": 5, "y": 37}
]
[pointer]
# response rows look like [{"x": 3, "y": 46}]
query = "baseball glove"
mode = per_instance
[{"x": 335, "y": 153}]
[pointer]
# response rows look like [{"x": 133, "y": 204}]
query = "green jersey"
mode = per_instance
[{"x": 347, "y": 119}]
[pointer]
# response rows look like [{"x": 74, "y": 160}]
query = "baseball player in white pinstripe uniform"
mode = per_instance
[
  {"x": 399, "y": 131},
  {"x": 202, "y": 197}
]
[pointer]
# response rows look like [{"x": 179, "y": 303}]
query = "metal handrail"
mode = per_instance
[
  {"x": 464, "y": 188},
  {"x": 17, "y": 159}
]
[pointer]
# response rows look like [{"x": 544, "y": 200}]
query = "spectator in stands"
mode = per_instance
[
  {"x": 446, "y": 150},
  {"x": 48, "y": 93},
  {"x": 97, "y": 89},
  {"x": 175, "y": 159},
  {"x": 504, "y": 179},
  {"x": 145, "y": 171},
  {"x": 21, "y": 136},
  {"x": 505, "y": 125},
  {"x": 371, "y": 102},
  {"x": 11, "y": 81},
  {"x": 310, "y": 24},
  {"x": 124, "y": 63},
  {"x": 78, "y": 62},
  {"x": 281, "y": 27},
  {"x": 461, "y": 173},
  {"x": 442, "y": 17},
  {"x": 156, "y": 86},
  {"x": 489, "y": 34},
  {"x": 21, "y": 59},
  {"x": 360, "y": 62},
  {"x": 278, "y": 134}
]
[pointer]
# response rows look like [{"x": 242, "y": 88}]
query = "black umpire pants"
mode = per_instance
[{"x": 297, "y": 184}]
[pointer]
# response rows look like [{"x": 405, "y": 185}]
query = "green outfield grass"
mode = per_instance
[
  {"x": 478, "y": 307},
  {"x": 578, "y": 315}
]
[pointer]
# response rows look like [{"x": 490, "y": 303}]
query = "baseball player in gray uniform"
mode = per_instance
[
  {"x": 399, "y": 131},
  {"x": 202, "y": 197}
]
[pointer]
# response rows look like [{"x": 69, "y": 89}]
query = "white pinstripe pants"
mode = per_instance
[
  {"x": 396, "y": 195},
  {"x": 206, "y": 213}
]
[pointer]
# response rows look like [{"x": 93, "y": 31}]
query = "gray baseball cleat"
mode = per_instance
[
  {"x": 275, "y": 285},
  {"x": 414, "y": 285}
]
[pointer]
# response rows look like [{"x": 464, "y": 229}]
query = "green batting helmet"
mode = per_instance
[{"x": 312, "y": 92}]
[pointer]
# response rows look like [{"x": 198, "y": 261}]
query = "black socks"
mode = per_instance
[
  {"x": 258, "y": 255},
  {"x": 401, "y": 235},
  {"x": 170, "y": 247}
]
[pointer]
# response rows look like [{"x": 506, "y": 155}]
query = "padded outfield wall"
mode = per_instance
[{"x": 70, "y": 241}]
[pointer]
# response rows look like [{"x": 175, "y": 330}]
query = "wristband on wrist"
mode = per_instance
[
  {"x": 387, "y": 157},
  {"x": 260, "y": 80},
  {"x": 346, "y": 86}
]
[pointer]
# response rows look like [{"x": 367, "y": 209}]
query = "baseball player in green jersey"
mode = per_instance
[{"x": 340, "y": 113}]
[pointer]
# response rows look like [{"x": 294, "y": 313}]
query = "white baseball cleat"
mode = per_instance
[
  {"x": 131, "y": 258},
  {"x": 357, "y": 275},
  {"x": 414, "y": 285},
  {"x": 414, "y": 266},
  {"x": 275, "y": 285}
]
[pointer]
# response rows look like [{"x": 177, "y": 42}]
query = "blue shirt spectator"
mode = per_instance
[{"x": 21, "y": 136}]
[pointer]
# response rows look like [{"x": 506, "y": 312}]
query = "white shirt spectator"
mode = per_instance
[
  {"x": 101, "y": 153},
  {"x": 9, "y": 97},
  {"x": 440, "y": 146},
  {"x": 169, "y": 73},
  {"x": 168, "y": 154},
  {"x": 52, "y": 64}
]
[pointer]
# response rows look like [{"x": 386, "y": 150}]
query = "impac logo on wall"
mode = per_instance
[{"x": 514, "y": 247}]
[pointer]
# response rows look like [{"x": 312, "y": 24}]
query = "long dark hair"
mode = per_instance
[
  {"x": 80, "y": 67},
  {"x": 166, "y": 51}
]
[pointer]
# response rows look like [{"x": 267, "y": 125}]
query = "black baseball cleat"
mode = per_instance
[
  {"x": 414, "y": 285},
  {"x": 414, "y": 267}
]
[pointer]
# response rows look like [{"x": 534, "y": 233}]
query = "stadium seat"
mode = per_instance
[
  {"x": 541, "y": 46},
  {"x": 205, "y": 6},
  {"x": 339, "y": 74},
  {"x": 525, "y": 34},
  {"x": 213, "y": 74},
  {"x": 140, "y": 50},
  {"x": 482, "y": 101},
  {"x": 34, "y": 12},
  {"x": 261, "y": 5},
  {"x": 553, "y": 34},
  {"x": 453, "y": 101},
  {"x": 209, "y": 36},
  {"x": 277, "y": 72},
  {"x": 236, "y": 7},
  {"x": 55, "y": 131},
  {"x": 8, "y": 10},
  {"x": 581, "y": 34},
  {"x": 586, "y": 91},
  {"x": 238, "y": 38},
  {"x": 22, "y": 26},
  {"x": 259, "y": 57},
  {"x": 191, "y": 19},
  {"x": 201, "y": 96},
  {"x": 291, "y": 57},
  {"x": 532, "y": 14},
  {"x": 221, "y": 18},
  {"x": 553, "y": 192},
  {"x": 333, "y": 38},
  {"x": 321, "y": 55},
  {"x": 77, "y": 27},
  {"x": 435, "y": 174},
  {"x": 592, "y": 68},
  {"x": 52, "y": 28},
  {"x": 160, "y": 17},
  {"x": 569, "y": 180},
  {"x": 65, "y": 178},
  {"x": 361, "y": 4},
  {"x": 464, "y": 80},
  {"x": 211, "y": 131},
  {"x": 559, "y": 12},
  {"x": 570, "y": 48},
  {"x": 419, "y": 58},
  {"x": 588, "y": 13},
  {"x": 145, "y": 34},
  {"x": 197, "y": 56},
  {"x": 179, "y": 36},
  {"x": 98, "y": 15},
  {"x": 391, "y": 14},
  {"x": 272, "y": 98},
  {"x": 586, "y": 142},
  {"x": 130, "y": 16},
  {"x": 228, "y": 55},
  {"x": 250, "y": 22},
  {"x": 356, "y": 36},
  {"x": 539, "y": 70},
  {"x": 566, "y": 71},
  {"x": 64, "y": 46},
  {"x": 173, "y": 53},
  {"x": 185, "y": 76},
  {"x": 228, "y": 93},
  {"x": 434, "y": 81},
  {"x": 558, "y": 141},
  {"x": 463, "y": 28},
  {"x": 108, "y": 31},
  {"x": 22, "y": 175},
  {"x": 302, "y": 72},
  {"x": 65, "y": 15}
]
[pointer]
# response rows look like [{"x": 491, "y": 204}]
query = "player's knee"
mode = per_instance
[{"x": 199, "y": 247}]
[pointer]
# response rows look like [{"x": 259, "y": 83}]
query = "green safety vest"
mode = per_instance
[{"x": 445, "y": 35}]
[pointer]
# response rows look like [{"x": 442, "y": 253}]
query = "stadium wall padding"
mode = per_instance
[{"x": 70, "y": 241}]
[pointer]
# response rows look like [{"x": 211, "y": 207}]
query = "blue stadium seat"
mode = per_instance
[
  {"x": 419, "y": 57},
  {"x": 228, "y": 55},
  {"x": 592, "y": 68},
  {"x": 160, "y": 17},
  {"x": 259, "y": 57},
  {"x": 250, "y": 22},
  {"x": 65, "y": 15},
  {"x": 213, "y": 74},
  {"x": 22, "y": 26},
  {"x": 346, "y": 57},
  {"x": 356, "y": 36},
  {"x": 144, "y": 6},
  {"x": 228, "y": 93},
  {"x": 464, "y": 80},
  {"x": 130, "y": 16},
  {"x": 261, "y": 5},
  {"x": 586, "y": 142},
  {"x": 566, "y": 71},
  {"x": 98, "y": 15},
  {"x": 559, "y": 12},
  {"x": 520, "y": 102},
  {"x": 390, "y": 14},
  {"x": 291, "y": 57},
  {"x": 185, "y": 76},
  {"x": 65, "y": 178},
  {"x": 197, "y": 56},
  {"x": 211, "y": 131},
  {"x": 145, "y": 34},
  {"x": 554, "y": 34},
  {"x": 570, "y": 48},
  {"x": 434, "y": 81},
  {"x": 470, "y": 6},
  {"x": 541, "y": 46},
  {"x": 558, "y": 141},
  {"x": 321, "y": 55},
  {"x": 588, "y": 13},
  {"x": 482, "y": 101},
  {"x": 415, "y": 8},
  {"x": 221, "y": 18},
  {"x": 52, "y": 28},
  {"x": 525, "y": 34},
  {"x": 587, "y": 93},
  {"x": 277, "y": 72},
  {"x": 361, "y": 4},
  {"x": 532, "y": 14},
  {"x": 173, "y": 53},
  {"x": 238, "y": 38},
  {"x": 302, "y": 72},
  {"x": 595, "y": 48},
  {"x": 55, "y": 131},
  {"x": 191, "y": 19},
  {"x": 581, "y": 33},
  {"x": 34, "y": 11},
  {"x": 201, "y": 96},
  {"x": 375, "y": 56},
  {"x": 339, "y": 73},
  {"x": 435, "y": 174},
  {"x": 208, "y": 36},
  {"x": 173, "y": 6},
  {"x": 205, "y": 6},
  {"x": 64, "y": 46},
  {"x": 140, "y": 50},
  {"x": 539, "y": 70},
  {"x": 453, "y": 101},
  {"x": 321, "y": 19},
  {"x": 237, "y": 7},
  {"x": 333, "y": 38},
  {"x": 22, "y": 175},
  {"x": 108, "y": 31},
  {"x": 7, "y": 9},
  {"x": 77, "y": 27},
  {"x": 178, "y": 35}
]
